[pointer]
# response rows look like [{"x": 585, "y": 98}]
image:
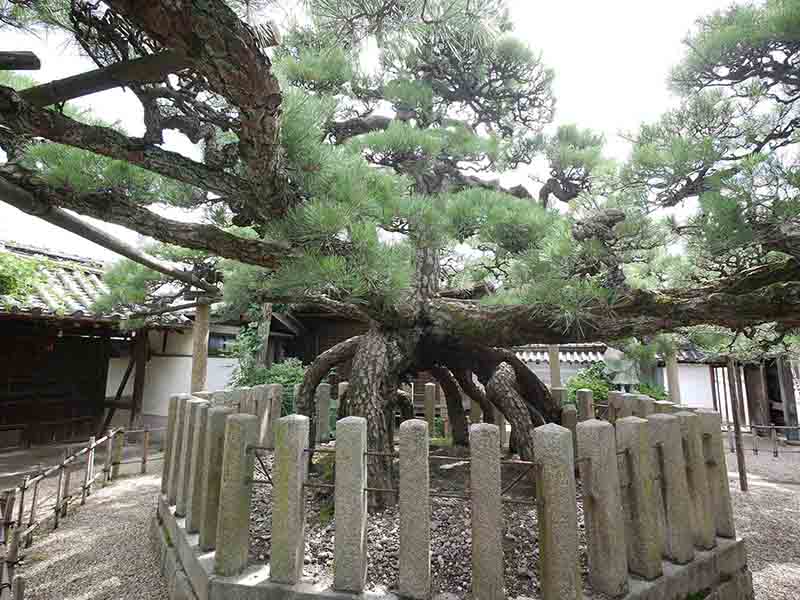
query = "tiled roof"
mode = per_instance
[
  {"x": 578, "y": 354},
  {"x": 67, "y": 288}
]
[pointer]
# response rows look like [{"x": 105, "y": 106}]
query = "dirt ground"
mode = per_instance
[{"x": 768, "y": 517}]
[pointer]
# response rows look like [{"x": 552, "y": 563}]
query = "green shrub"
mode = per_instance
[
  {"x": 288, "y": 373},
  {"x": 595, "y": 378},
  {"x": 654, "y": 391}
]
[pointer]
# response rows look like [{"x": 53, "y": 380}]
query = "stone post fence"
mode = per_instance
[{"x": 654, "y": 494}]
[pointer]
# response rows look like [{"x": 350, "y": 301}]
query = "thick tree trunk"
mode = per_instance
[
  {"x": 455, "y": 405},
  {"x": 373, "y": 388},
  {"x": 503, "y": 391}
]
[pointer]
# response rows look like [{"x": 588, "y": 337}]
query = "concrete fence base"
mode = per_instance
[
  {"x": 189, "y": 573},
  {"x": 650, "y": 485}
]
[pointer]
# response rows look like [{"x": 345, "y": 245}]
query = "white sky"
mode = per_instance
[{"x": 611, "y": 61}]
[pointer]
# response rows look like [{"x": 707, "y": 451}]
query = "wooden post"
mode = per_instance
[
  {"x": 200, "y": 347},
  {"x": 145, "y": 447},
  {"x": 60, "y": 491},
  {"x": 87, "y": 475},
  {"x": 140, "y": 348},
  {"x": 21, "y": 508},
  {"x": 673, "y": 381},
  {"x": 555, "y": 366},
  {"x": 714, "y": 401},
  {"x": 732, "y": 372},
  {"x": 7, "y": 513},
  {"x": 12, "y": 554},
  {"x": 67, "y": 496},
  {"x": 109, "y": 449},
  {"x": 32, "y": 514},
  {"x": 773, "y": 434}
]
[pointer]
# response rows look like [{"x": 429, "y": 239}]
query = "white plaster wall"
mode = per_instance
[
  {"x": 168, "y": 375},
  {"x": 695, "y": 382}
]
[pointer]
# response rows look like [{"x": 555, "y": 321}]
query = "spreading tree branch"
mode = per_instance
[
  {"x": 113, "y": 207},
  {"x": 26, "y": 120},
  {"x": 33, "y": 205},
  {"x": 148, "y": 69}
]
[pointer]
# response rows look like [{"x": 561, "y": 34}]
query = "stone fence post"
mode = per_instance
[
  {"x": 289, "y": 507},
  {"x": 602, "y": 506},
  {"x": 197, "y": 478},
  {"x": 169, "y": 442},
  {"x": 629, "y": 406},
  {"x": 645, "y": 406},
  {"x": 702, "y": 511},
  {"x": 274, "y": 393},
  {"x": 236, "y": 486},
  {"x": 614, "y": 406},
  {"x": 558, "y": 513},
  {"x": 350, "y": 500},
  {"x": 185, "y": 457},
  {"x": 430, "y": 407},
  {"x": 569, "y": 419},
  {"x": 323, "y": 403},
  {"x": 414, "y": 572},
  {"x": 643, "y": 537},
  {"x": 214, "y": 448},
  {"x": 487, "y": 512},
  {"x": 663, "y": 407},
  {"x": 177, "y": 449},
  {"x": 717, "y": 472},
  {"x": 665, "y": 435},
  {"x": 585, "y": 404}
]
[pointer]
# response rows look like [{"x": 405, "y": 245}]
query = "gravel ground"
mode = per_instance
[
  {"x": 101, "y": 550},
  {"x": 450, "y": 538},
  {"x": 768, "y": 517}
]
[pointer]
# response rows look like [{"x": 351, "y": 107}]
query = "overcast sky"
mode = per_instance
[{"x": 611, "y": 61}]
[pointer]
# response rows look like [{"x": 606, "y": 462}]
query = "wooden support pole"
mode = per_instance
[
  {"x": 59, "y": 491},
  {"x": 140, "y": 348},
  {"x": 737, "y": 428},
  {"x": 145, "y": 448},
  {"x": 673, "y": 380},
  {"x": 200, "y": 347},
  {"x": 109, "y": 450},
  {"x": 32, "y": 514},
  {"x": 555, "y": 366},
  {"x": 87, "y": 474},
  {"x": 67, "y": 496},
  {"x": 20, "y": 510}
]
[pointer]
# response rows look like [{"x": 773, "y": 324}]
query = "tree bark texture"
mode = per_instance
[{"x": 455, "y": 405}]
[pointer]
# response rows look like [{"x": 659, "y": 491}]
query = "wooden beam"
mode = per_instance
[
  {"x": 140, "y": 348},
  {"x": 148, "y": 69},
  {"x": 19, "y": 61},
  {"x": 200, "y": 348},
  {"x": 733, "y": 369}
]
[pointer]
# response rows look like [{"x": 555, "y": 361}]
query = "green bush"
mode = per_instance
[
  {"x": 288, "y": 373},
  {"x": 654, "y": 391},
  {"x": 595, "y": 378}
]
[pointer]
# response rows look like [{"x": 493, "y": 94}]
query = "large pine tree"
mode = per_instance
[{"x": 378, "y": 193}]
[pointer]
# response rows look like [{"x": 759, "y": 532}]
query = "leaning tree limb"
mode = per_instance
[
  {"x": 763, "y": 294},
  {"x": 29, "y": 203},
  {"x": 316, "y": 372},
  {"x": 455, "y": 406},
  {"x": 23, "y": 118},
  {"x": 113, "y": 207},
  {"x": 476, "y": 392},
  {"x": 502, "y": 390},
  {"x": 148, "y": 69}
]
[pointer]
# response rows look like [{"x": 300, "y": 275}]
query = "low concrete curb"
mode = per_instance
[{"x": 189, "y": 573}]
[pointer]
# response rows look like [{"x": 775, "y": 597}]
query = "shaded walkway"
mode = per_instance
[{"x": 102, "y": 550}]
